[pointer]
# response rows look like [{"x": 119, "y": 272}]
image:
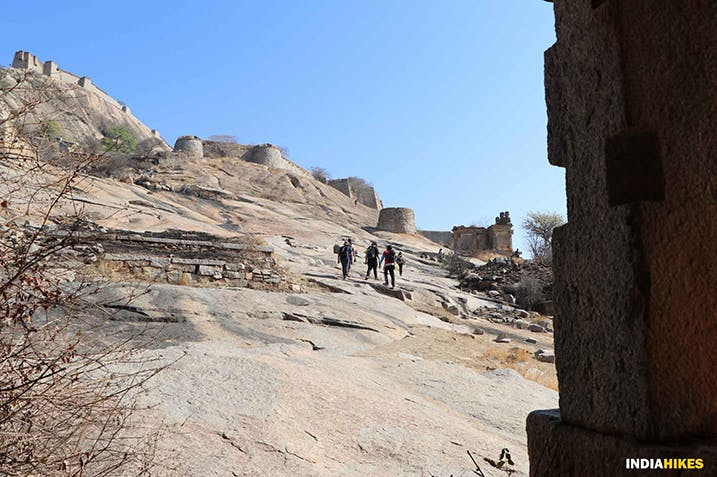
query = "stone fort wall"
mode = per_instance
[
  {"x": 397, "y": 220},
  {"x": 498, "y": 237},
  {"x": 24, "y": 60},
  {"x": 362, "y": 193}
]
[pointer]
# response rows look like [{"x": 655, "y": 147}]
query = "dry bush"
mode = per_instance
[
  {"x": 67, "y": 389},
  {"x": 321, "y": 174}
]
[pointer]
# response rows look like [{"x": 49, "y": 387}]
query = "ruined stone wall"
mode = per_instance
[
  {"x": 271, "y": 156},
  {"x": 362, "y": 193},
  {"x": 189, "y": 145},
  {"x": 343, "y": 186},
  {"x": 185, "y": 258},
  {"x": 500, "y": 237},
  {"x": 471, "y": 240},
  {"x": 398, "y": 220},
  {"x": 440, "y": 237},
  {"x": 631, "y": 91}
]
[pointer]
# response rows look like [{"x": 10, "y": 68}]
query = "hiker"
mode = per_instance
[
  {"x": 400, "y": 261},
  {"x": 440, "y": 254},
  {"x": 390, "y": 256},
  {"x": 372, "y": 260},
  {"x": 353, "y": 254},
  {"x": 344, "y": 258}
]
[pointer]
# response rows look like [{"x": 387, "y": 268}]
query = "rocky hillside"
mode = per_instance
[
  {"x": 282, "y": 367},
  {"x": 78, "y": 116}
]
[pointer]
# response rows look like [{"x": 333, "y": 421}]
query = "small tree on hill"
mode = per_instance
[
  {"x": 119, "y": 139},
  {"x": 321, "y": 174},
  {"x": 539, "y": 227}
]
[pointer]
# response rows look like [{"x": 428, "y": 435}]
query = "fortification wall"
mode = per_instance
[
  {"x": 27, "y": 61},
  {"x": 271, "y": 156},
  {"x": 397, "y": 220},
  {"x": 362, "y": 193},
  {"x": 343, "y": 186},
  {"x": 440, "y": 237},
  {"x": 185, "y": 258},
  {"x": 498, "y": 237},
  {"x": 190, "y": 146},
  {"x": 469, "y": 240}
]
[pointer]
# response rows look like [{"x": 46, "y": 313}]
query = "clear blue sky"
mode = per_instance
[{"x": 439, "y": 104}]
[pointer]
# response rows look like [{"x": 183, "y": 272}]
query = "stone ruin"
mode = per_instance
[
  {"x": 397, "y": 220},
  {"x": 190, "y": 146},
  {"x": 631, "y": 90},
  {"x": 180, "y": 257},
  {"x": 362, "y": 193},
  {"x": 472, "y": 240}
]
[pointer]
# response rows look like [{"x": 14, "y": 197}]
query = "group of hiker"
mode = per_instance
[{"x": 373, "y": 259}]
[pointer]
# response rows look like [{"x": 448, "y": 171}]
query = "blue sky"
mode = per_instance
[{"x": 439, "y": 104}]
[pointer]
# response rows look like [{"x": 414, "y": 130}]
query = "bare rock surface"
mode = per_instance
[{"x": 336, "y": 377}]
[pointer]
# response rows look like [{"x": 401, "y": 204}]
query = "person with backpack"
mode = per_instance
[
  {"x": 345, "y": 254},
  {"x": 390, "y": 257},
  {"x": 400, "y": 261},
  {"x": 372, "y": 260}
]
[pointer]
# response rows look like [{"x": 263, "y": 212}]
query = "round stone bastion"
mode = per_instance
[
  {"x": 190, "y": 146},
  {"x": 399, "y": 220},
  {"x": 267, "y": 154}
]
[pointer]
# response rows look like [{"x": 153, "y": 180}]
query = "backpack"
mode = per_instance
[
  {"x": 391, "y": 257},
  {"x": 345, "y": 252},
  {"x": 371, "y": 252},
  {"x": 400, "y": 260}
]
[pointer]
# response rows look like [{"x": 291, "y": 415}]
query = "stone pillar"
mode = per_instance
[
  {"x": 189, "y": 145},
  {"x": 398, "y": 220},
  {"x": 85, "y": 82},
  {"x": 631, "y": 90}
]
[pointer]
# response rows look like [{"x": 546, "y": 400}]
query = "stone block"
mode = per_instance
[
  {"x": 557, "y": 449},
  {"x": 173, "y": 276},
  {"x": 159, "y": 262},
  {"x": 234, "y": 267},
  {"x": 208, "y": 270},
  {"x": 634, "y": 168}
]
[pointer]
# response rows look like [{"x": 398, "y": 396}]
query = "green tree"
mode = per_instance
[
  {"x": 52, "y": 129},
  {"x": 120, "y": 139},
  {"x": 539, "y": 226}
]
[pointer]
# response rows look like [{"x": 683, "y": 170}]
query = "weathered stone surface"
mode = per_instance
[
  {"x": 634, "y": 322},
  {"x": 546, "y": 357},
  {"x": 297, "y": 300},
  {"x": 207, "y": 270},
  {"x": 558, "y": 449},
  {"x": 521, "y": 324},
  {"x": 536, "y": 328}
]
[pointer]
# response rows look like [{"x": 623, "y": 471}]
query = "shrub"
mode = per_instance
[
  {"x": 321, "y": 174},
  {"x": 119, "y": 139}
]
